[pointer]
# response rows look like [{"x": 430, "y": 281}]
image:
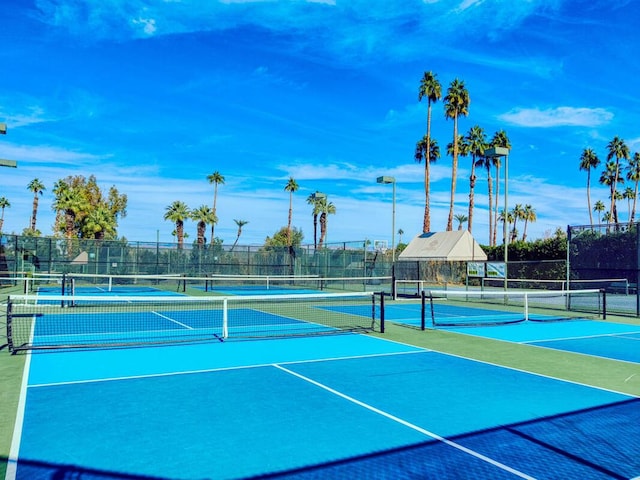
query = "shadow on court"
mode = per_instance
[{"x": 594, "y": 443}]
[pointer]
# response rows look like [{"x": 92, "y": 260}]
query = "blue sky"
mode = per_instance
[{"x": 154, "y": 95}]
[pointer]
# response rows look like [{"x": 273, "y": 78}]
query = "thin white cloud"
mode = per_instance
[{"x": 557, "y": 117}]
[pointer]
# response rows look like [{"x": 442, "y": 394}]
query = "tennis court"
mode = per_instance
[
  {"x": 545, "y": 323},
  {"x": 314, "y": 407}
]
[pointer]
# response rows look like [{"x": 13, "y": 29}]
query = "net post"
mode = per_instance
[
  {"x": 422, "y": 309},
  {"x": 225, "y": 318},
  {"x": 373, "y": 308},
  {"x": 604, "y": 303},
  {"x": 526, "y": 307},
  {"x": 9, "y": 327}
]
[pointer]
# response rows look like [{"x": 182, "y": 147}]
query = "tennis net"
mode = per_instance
[
  {"x": 450, "y": 308},
  {"x": 64, "y": 321},
  {"x": 611, "y": 285}
]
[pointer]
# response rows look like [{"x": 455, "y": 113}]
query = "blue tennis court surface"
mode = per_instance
[
  {"x": 350, "y": 406},
  {"x": 617, "y": 341},
  {"x": 256, "y": 290}
]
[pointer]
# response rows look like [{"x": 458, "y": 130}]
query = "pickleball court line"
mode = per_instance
[{"x": 412, "y": 426}]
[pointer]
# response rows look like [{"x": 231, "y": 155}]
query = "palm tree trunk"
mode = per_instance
[
  {"x": 323, "y": 228},
  {"x": 215, "y": 200},
  {"x": 34, "y": 213},
  {"x": 454, "y": 173},
  {"x": 490, "y": 189},
  {"x": 631, "y": 218},
  {"x": 472, "y": 185},
  {"x": 589, "y": 197},
  {"x": 315, "y": 230},
  {"x": 495, "y": 212},
  {"x": 426, "y": 223}
]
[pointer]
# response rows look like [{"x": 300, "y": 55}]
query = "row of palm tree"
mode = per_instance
[
  {"x": 474, "y": 144},
  {"x": 178, "y": 212},
  {"x": 612, "y": 176}
]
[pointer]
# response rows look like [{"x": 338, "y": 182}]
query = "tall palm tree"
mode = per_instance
[
  {"x": 36, "y": 187},
  {"x": 518, "y": 214},
  {"x": 619, "y": 150},
  {"x": 456, "y": 103},
  {"x": 203, "y": 215},
  {"x": 177, "y": 213},
  {"x": 400, "y": 233},
  {"x": 488, "y": 163},
  {"x": 328, "y": 208},
  {"x": 430, "y": 89},
  {"x": 460, "y": 218},
  {"x": 240, "y": 224},
  {"x": 629, "y": 194},
  {"x": 291, "y": 187},
  {"x": 589, "y": 160},
  {"x": 501, "y": 218},
  {"x": 633, "y": 174},
  {"x": 610, "y": 176},
  {"x": 313, "y": 200},
  {"x": 216, "y": 179},
  {"x": 476, "y": 142},
  {"x": 529, "y": 216},
  {"x": 4, "y": 203},
  {"x": 424, "y": 149},
  {"x": 599, "y": 208},
  {"x": 500, "y": 139}
]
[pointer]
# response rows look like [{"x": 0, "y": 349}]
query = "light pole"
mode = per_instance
[
  {"x": 391, "y": 180},
  {"x": 497, "y": 152}
]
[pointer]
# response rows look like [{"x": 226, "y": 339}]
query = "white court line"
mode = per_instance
[
  {"x": 172, "y": 320},
  {"x": 219, "y": 369},
  {"x": 581, "y": 337},
  {"x": 12, "y": 461},
  {"x": 412, "y": 426}
]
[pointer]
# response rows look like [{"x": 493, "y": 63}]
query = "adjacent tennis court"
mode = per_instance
[
  {"x": 561, "y": 320},
  {"x": 313, "y": 407}
]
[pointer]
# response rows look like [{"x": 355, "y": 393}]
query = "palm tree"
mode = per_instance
[
  {"x": 422, "y": 147},
  {"x": 476, "y": 143},
  {"x": 488, "y": 162},
  {"x": 328, "y": 208},
  {"x": 629, "y": 194},
  {"x": 313, "y": 200},
  {"x": 500, "y": 139},
  {"x": 291, "y": 187},
  {"x": 177, "y": 213},
  {"x": 633, "y": 174},
  {"x": 240, "y": 224},
  {"x": 588, "y": 161},
  {"x": 216, "y": 179},
  {"x": 599, "y": 208},
  {"x": 69, "y": 204},
  {"x": 4, "y": 203},
  {"x": 400, "y": 233},
  {"x": 618, "y": 150},
  {"x": 529, "y": 216},
  {"x": 610, "y": 177},
  {"x": 518, "y": 214},
  {"x": 430, "y": 89},
  {"x": 509, "y": 219},
  {"x": 36, "y": 187},
  {"x": 100, "y": 223},
  {"x": 461, "y": 218},
  {"x": 456, "y": 103},
  {"x": 202, "y": 215}
]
